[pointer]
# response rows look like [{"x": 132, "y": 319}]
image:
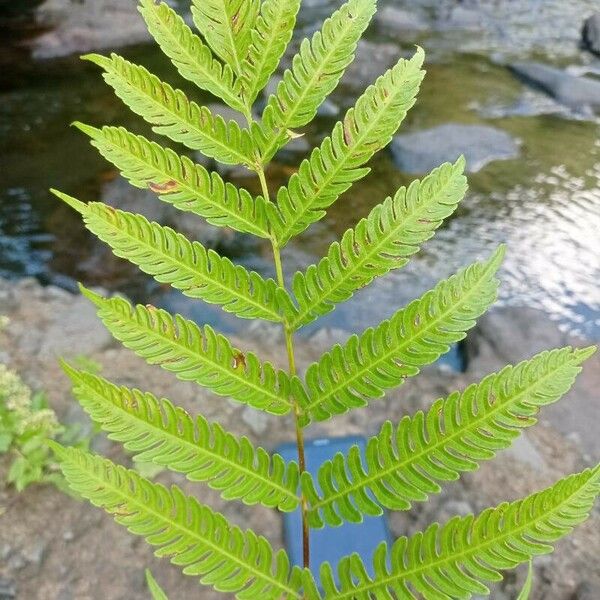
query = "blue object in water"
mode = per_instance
[{"x": 331, "y": 543}]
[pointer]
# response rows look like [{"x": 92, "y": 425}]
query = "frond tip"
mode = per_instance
[
  {"x": 406, "y": 463},
  {"x": 200, "y": 541},
  {"x": 159, "y": 432},
  {"x": 454, "y": 560}
]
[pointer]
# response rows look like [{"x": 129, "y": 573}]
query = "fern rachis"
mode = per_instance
[{"x": 239, "y": 46}]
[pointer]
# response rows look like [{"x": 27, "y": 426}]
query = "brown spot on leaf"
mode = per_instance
[
  {"x": 239, "y": 360},
  {"x": 163, "y": 188}
]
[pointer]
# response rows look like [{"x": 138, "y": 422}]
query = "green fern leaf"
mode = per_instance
[
  {"x": 195, "y": 354},
  {"x": 526, "y": 589},
  {"x": 155, "y": 590},
  {"x": 452, "y": 561},
  {"x": 383, "y": 241},
  {"x": 192, "y": 58},
  {"x": 226, "y": 25},
  {"x": 339, "y": 161},
  {"x": 171, "y": 258},
  {"x": 174, "y": 115},
  {"x": 156, "y": 431},
  {"x": 180, "y": 182},
  {"x": 270, "y": 37},
  {"x": 405, "y": 464},
  {"x": 200, "y": 541},
  {"x": 316, "y": 71},
  {"x": 348, "y": 376}
]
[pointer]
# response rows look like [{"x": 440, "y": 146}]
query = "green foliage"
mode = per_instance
[
  {"x": 155, "y": 590},
  {"x": 26, "y": 424},
  {"x": 239, "y": 47}
]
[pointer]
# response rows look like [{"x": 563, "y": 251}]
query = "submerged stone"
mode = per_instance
[{"x": 422, "y": 151}]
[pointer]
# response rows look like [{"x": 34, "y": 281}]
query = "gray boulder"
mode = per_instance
[
  {"x": 422, "y": 151},
  {"x": 392, "y": 20},
  {"x": 508, "y": 335},
  {"x": 591, "y": 33},
  {"x": 76, "y": 26},
  {"x": 580, "y": 93},
  {"x": 371, "y": 60}
]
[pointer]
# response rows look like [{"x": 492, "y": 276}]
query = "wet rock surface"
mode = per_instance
[
  {"x": 591, "y": 33},
  {"x": 81, "y": 553},
  {"x": 422, "y": 151},
  {"x": 581, "y": 93}
]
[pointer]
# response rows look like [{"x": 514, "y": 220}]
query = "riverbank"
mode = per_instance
[{"x": 78, "y": 552}]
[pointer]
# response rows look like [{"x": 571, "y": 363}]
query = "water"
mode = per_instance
[{"x": 545, "y": 205}]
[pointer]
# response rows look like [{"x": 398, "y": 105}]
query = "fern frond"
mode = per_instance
[
  {"x": 315, "y": 72},
  {"x": 269, "y": 39},
  {"x": 226, "y": 26},
  {"x": 179, "y": 181},
  {"x": 159, "y": 432},
  {"x": 339, "y": 161},
  {"x": 385, "y": 240},
  {"x": 172, "y": 114},
  {"x": 452, "y": 560},
  {"x": 381, "y": 358},
  {"x": 155, "y": 590},
  {"x": 195, "y": 354},
  {"x": 200, "y": 541},
  {"x": 187, "y": 266},
  {"x": 190, "y": 55},
  {"x": 405, "y": 464}
]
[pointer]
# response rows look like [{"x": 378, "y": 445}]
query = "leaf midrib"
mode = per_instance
[
  {"x": 185, "y": 267},
  {"x": 144, "y": 508},
  {"x": 136, "y": 421},
  {"x": 373, "y": 250},
  {"x": 186, "y": 351},
  {"x": 178, "y": 118},
  {"x": 192, "y": 190},
  {"x": 347, "y": 154},
  {"x": 370, "y": 366},
  {"x": 442, "y": 441},
  {"x": 471, "y": 549}
]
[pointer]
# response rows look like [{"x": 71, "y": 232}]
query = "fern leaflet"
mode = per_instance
[
  {"x": 270, "y": 37},
  {"x": 452, "y": 560},
  {"x": 193, "y": 536},
  {"x": 172, "y": 114},
  {"x": 156, "y": 431},
  {"x": 171, "y": 258},
  {"x": 339, "y": 161},
  {"x": 195, "y": 354},
  {"x": 155, "y": 590},
  {"x": 405, "y": 464},
  {"x": 316, "y": 71},
  {"x": 348, "y": 376},
  {"x": 181, "y": 182},
  {"x": 192, "y": 58},
  {"x": 226, "y": 26},
  {"x": 385, "y": 240}
]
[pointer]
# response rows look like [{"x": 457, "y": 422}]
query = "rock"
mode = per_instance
[
  {"x": 74, "y": 330},
  {"x": 371, "y": 60},
  {"x": 591, "y": 33},
  {"x": 462, "y": 17},
  {"x": 294, "y": 151},
  {"x": 586, "y": 591},
  {"x": 83, "y": 25},
  {"x": 255, "y": 419},
  {"x": 525, "y": 452},
  {"x": 509, "y": 335},
  {"x": 422, "y": 151},
  {"x": 8, "y": 590},
  {"x": 392, "y": 20},
  {"x": 580, "y": 93}
]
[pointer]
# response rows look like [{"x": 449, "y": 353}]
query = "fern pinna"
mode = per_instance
[{"x": 238, "y": 47}]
